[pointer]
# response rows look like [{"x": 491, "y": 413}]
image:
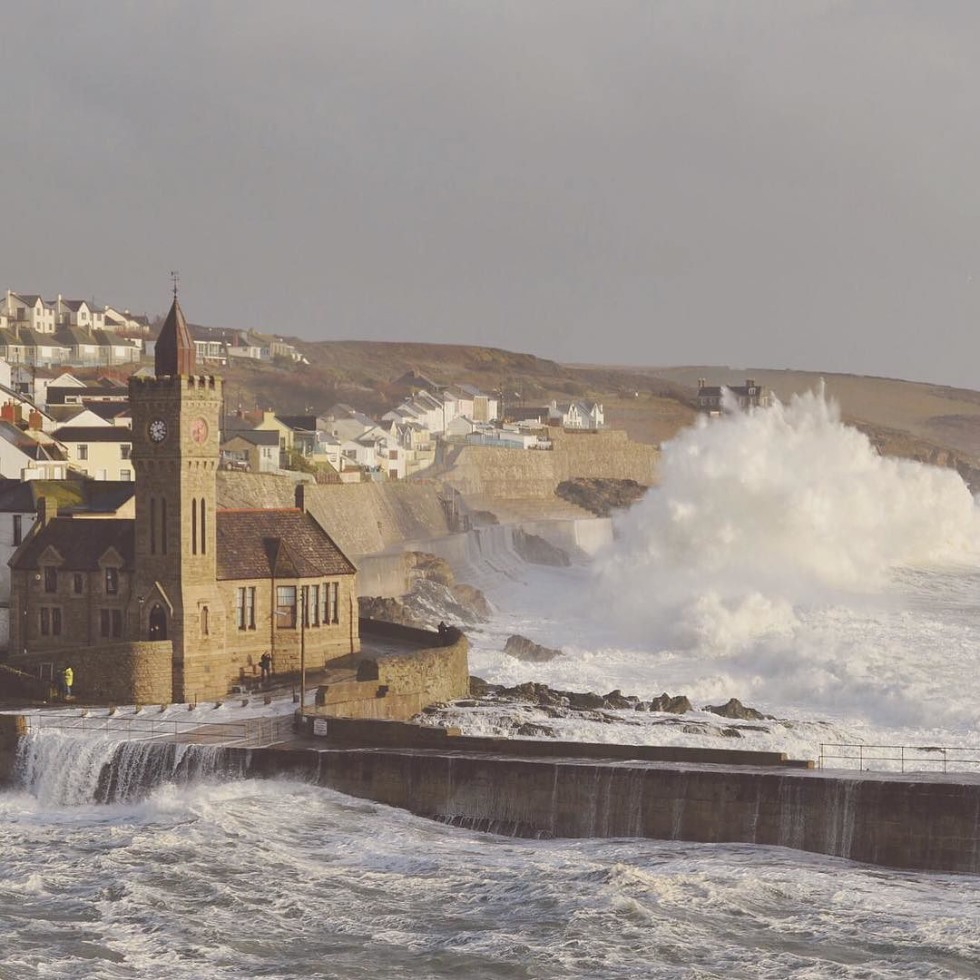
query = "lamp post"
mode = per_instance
[{"x": 304, "y": 592}]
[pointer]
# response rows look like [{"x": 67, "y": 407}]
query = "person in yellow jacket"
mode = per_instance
[{"x": 67, "y": 679}]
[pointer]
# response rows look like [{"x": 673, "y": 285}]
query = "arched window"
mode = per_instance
[
  {"x": 205, "y": 624},
  {"x": 163, "y": 524},
  {"x": 153, "y": 525},
  {"x": 204, "y": 528},
  {"x": 193, "y": 530}
]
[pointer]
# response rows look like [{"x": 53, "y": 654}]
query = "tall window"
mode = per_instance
[
  {"x": 50, "y": 621},
  {"x": 82, "y": 451},
  {"x": 163, "y": 525},
  {"x": 112, "y": 581},
  {"x": 193, "y": 529},
  {"x": 78, "y": 583},
  {"x": 325, "y": 604},
  {"x": 240, "y": 607},
  {"x": 110, "y": 622},
  {"x": 18, "y": 529},
  {"x": 50, "y": 579},
  {"x": 153, "y": 525},
  {"x": 205, "y": 621},
  {"x": 250, "y": 607},
  {"x": 314, "y": 605},
  {"x": 204, "y": 529},
  {"x": 333, "y": 603},
  {"x": 286, "y": 606}
]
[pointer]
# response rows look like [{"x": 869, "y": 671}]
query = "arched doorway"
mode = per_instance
[{"x": 158, "y": 623}]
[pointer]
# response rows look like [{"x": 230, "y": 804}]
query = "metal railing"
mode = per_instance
[
  {"x": 249, "y": 732},
  {"x": 898, "y": 758}
]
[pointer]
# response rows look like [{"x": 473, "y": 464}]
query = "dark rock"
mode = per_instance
[
  {"x": 734, "y": 708},
  {"x": 616, "y": 699},
  {"x": 479, "y": 688},
  {"x": 694, "y": 730},
  {"x": 731, "y": 733},
  {"x": 586, "y": 701},
  {"x": 600, "y": 495},
  {"x": 529, "y": 729},
  {"x": 521, "y": 648},
  {"x": 677, "y": 705}
]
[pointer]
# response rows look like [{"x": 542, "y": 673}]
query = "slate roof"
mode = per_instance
[
  {"x": 93, "y": 433},
  {"x": 255, "y": 437},
  {"x": 255, "y": 543},
  {"x": 81, "y": 543}
]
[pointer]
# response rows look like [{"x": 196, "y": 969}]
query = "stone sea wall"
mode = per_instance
[{"x": 485, "y": 471}]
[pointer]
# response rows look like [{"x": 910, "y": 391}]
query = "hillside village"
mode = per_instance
[{"x": 66, "y": 422}]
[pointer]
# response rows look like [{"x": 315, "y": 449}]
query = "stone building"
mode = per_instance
[
  {"x": 180, "y": 602},
  {"x": 711, "y": 398}
]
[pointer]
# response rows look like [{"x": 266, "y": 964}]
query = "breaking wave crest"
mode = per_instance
[{"x": 762, "y": 512}]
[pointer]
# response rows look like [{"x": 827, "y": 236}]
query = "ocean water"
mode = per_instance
[{"x": 781, "y": 562}]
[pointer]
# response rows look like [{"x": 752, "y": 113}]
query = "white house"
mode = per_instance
[{"x": 577, "y": 415}]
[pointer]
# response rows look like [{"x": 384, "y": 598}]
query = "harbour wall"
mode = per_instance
[
  {"x": 929, "y": 825},
  {"x": 922, "y": 822}
]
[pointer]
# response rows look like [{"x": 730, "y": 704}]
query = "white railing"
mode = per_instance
[{"x": 898, "y": 758}]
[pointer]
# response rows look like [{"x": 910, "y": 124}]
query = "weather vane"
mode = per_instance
[{"x": 174, "y": 278}]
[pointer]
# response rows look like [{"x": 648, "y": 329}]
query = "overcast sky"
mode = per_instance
[{"x": 792, "y": 183}]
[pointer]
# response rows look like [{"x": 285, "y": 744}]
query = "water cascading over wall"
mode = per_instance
[{"x": 908, "y": 822}]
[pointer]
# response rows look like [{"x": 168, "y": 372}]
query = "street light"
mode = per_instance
[{"x": 304, "y": 592}]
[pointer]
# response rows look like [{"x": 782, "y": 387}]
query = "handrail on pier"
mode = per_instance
[{"x": 898, "y": 758}]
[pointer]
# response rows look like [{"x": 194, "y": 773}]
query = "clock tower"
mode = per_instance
[{"x": 175, "y": 456}]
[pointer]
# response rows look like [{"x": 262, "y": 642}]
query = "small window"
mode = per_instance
[
  {"x": 45, "y": 621},
  {"x": 56, "y": 622},
  {"x": 125, "y": 450},
  {"x": 18, "y": 528},
  {"x": 82, "y": 451},
  {"x": 50, "y": 579},
  {"x": 112, "y": 581},
  {"x": 125, "y": 474},
  {"x": 78, "y": 583},
  {"x": 205, "y": 624}
]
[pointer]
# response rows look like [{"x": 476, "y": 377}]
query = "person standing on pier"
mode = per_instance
[
  {"x": 67, "y": 679},
  {"x": 265, "y": 662}
]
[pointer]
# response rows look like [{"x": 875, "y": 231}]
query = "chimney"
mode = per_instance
[
  {"x": 300, "y": 495},
  {"x": 7, "y": 411},
  {"x": 700, "y": 383},
  {"x": 749, "y": 383},
  {"x": 47, "y": 510},
  {"x": 34, "y": 419}
]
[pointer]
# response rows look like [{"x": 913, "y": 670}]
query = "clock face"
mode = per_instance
[
  {"x": 199, "y": 430},
  {"x": 158, "y": 430}
]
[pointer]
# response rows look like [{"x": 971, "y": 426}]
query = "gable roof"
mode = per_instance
[
  {"x": 251, "y": 543},
  {"x": 79, "y": 542}
]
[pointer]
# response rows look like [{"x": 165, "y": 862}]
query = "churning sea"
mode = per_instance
[{"x": 780, "y": 561}]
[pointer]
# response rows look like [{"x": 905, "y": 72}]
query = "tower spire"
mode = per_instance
[{"x": 174, "y": 352}]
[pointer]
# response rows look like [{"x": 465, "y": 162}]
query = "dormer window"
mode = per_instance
[
  {"x": 112, "y": 581},
  {"x": 50, "y": 578}
]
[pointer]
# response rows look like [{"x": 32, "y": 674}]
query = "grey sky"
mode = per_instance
[{"x": 769, "y": 184}]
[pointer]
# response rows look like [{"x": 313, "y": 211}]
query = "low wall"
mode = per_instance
[
  {"x": 420, "y": 668},
  {"x": 926, "y": 824},
  {"x": 140, "y": 672}
]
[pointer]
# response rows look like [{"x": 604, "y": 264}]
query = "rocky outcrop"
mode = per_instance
[
  {"x": 521, "y": 648},
  {"x": 601, "y": 496},
  {"x": 733, "y": 708},
  {"x": 538, "y": 551}
]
